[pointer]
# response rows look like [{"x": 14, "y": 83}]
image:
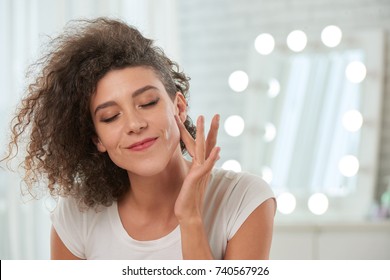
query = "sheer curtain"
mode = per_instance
[{"x": 24, "y": 26}]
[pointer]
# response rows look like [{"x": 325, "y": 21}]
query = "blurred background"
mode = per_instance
[{"x": 303, "y": 90}]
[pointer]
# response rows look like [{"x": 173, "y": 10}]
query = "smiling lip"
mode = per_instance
[{"x": 142, "y": 145}]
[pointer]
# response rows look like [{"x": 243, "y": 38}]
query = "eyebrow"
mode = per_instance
[{"x": 133, "y": 95}]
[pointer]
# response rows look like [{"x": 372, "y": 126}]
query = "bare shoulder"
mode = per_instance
[
  {"x": 58, "y": 250},
  {"x": 253, "y": 239}
]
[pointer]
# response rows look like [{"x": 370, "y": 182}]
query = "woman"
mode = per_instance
[{"x": 108, "y": 124}]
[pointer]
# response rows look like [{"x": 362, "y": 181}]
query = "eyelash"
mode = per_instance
[{"x": 150, "y": 104}]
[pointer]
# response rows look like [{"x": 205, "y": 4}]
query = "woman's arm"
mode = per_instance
[
  {"x": 58, "y": 250},
  {"x": 195, "y": 245},
  {"x": 253, "y": 239},
  {"x": 189, "y": 203}
]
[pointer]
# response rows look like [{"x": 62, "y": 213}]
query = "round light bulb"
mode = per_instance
[
  {"x": 234, "y": 125},
  {"x": 238, "y": 81},
  {"x": 267, "y": 174},
  {"x": 297, "y": 40},
  {"x": 349, "y": 166},
  {"x": 286, "y": 203},
  {"x": 264, "y": 44},
  {"x": 356, "y": 72},
  {"x": 269, "y": 132},
  {"x": 331, "y": 36},
  {"x": 273, "y": 88},
  {"x": 232, "y": 164},
  {"x": 318, "y": 203},
  {"x": 352, "y": 120}
]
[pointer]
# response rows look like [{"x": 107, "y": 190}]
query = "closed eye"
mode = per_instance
[
  {"x": 147, "y": 105},
  {"x": 108, "y": 120},
  {"x": 150, "y": 104}
]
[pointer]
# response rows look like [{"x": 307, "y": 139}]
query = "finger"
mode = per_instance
[
  {"x": 212, "y": 159},
  {"x": 205, "y": 169},
  {"x": 211, "y": 140},
  {"x": 189, "y": 142},
  {"x": 200, "y": 141}
]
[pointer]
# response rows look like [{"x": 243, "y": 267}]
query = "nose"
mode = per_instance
[{"x": 135, "y": 123}]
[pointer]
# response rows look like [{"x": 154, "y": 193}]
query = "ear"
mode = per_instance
[
  {"x": 180, "y": 106},
  {"x": 99, "y": 145}
]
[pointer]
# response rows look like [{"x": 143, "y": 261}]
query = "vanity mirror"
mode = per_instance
[{"x": 312, "y": 121}]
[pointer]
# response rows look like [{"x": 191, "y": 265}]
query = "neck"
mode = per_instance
[{"x": 158, "y": 193}]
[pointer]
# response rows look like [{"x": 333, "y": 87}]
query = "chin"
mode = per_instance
[{"x": 147, "y": 167}]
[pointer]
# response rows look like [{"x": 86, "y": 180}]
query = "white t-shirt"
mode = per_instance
[{"x": 229, "y": 199}]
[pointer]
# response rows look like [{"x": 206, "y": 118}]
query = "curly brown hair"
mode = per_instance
[{"x": 56, "y": 113}]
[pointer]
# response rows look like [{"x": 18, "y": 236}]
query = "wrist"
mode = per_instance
[{"x": 191, "y": 222}]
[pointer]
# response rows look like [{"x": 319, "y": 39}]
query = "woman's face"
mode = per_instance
[{"x": 134, "y": 120}]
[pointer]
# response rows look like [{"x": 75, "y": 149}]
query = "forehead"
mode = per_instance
[
  {"x": 130, "y": 77},
  {"x": 127, "y": 80}
]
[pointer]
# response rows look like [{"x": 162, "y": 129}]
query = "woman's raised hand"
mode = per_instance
[{"x": 204, "y": 155}]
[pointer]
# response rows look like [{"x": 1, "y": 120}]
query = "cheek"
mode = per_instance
[
  {"x": 108, "y": 137},
  {"x": 172, "y": 134}
]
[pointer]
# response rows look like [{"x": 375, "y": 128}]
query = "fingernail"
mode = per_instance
[{"x": 200, "y": 119}]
